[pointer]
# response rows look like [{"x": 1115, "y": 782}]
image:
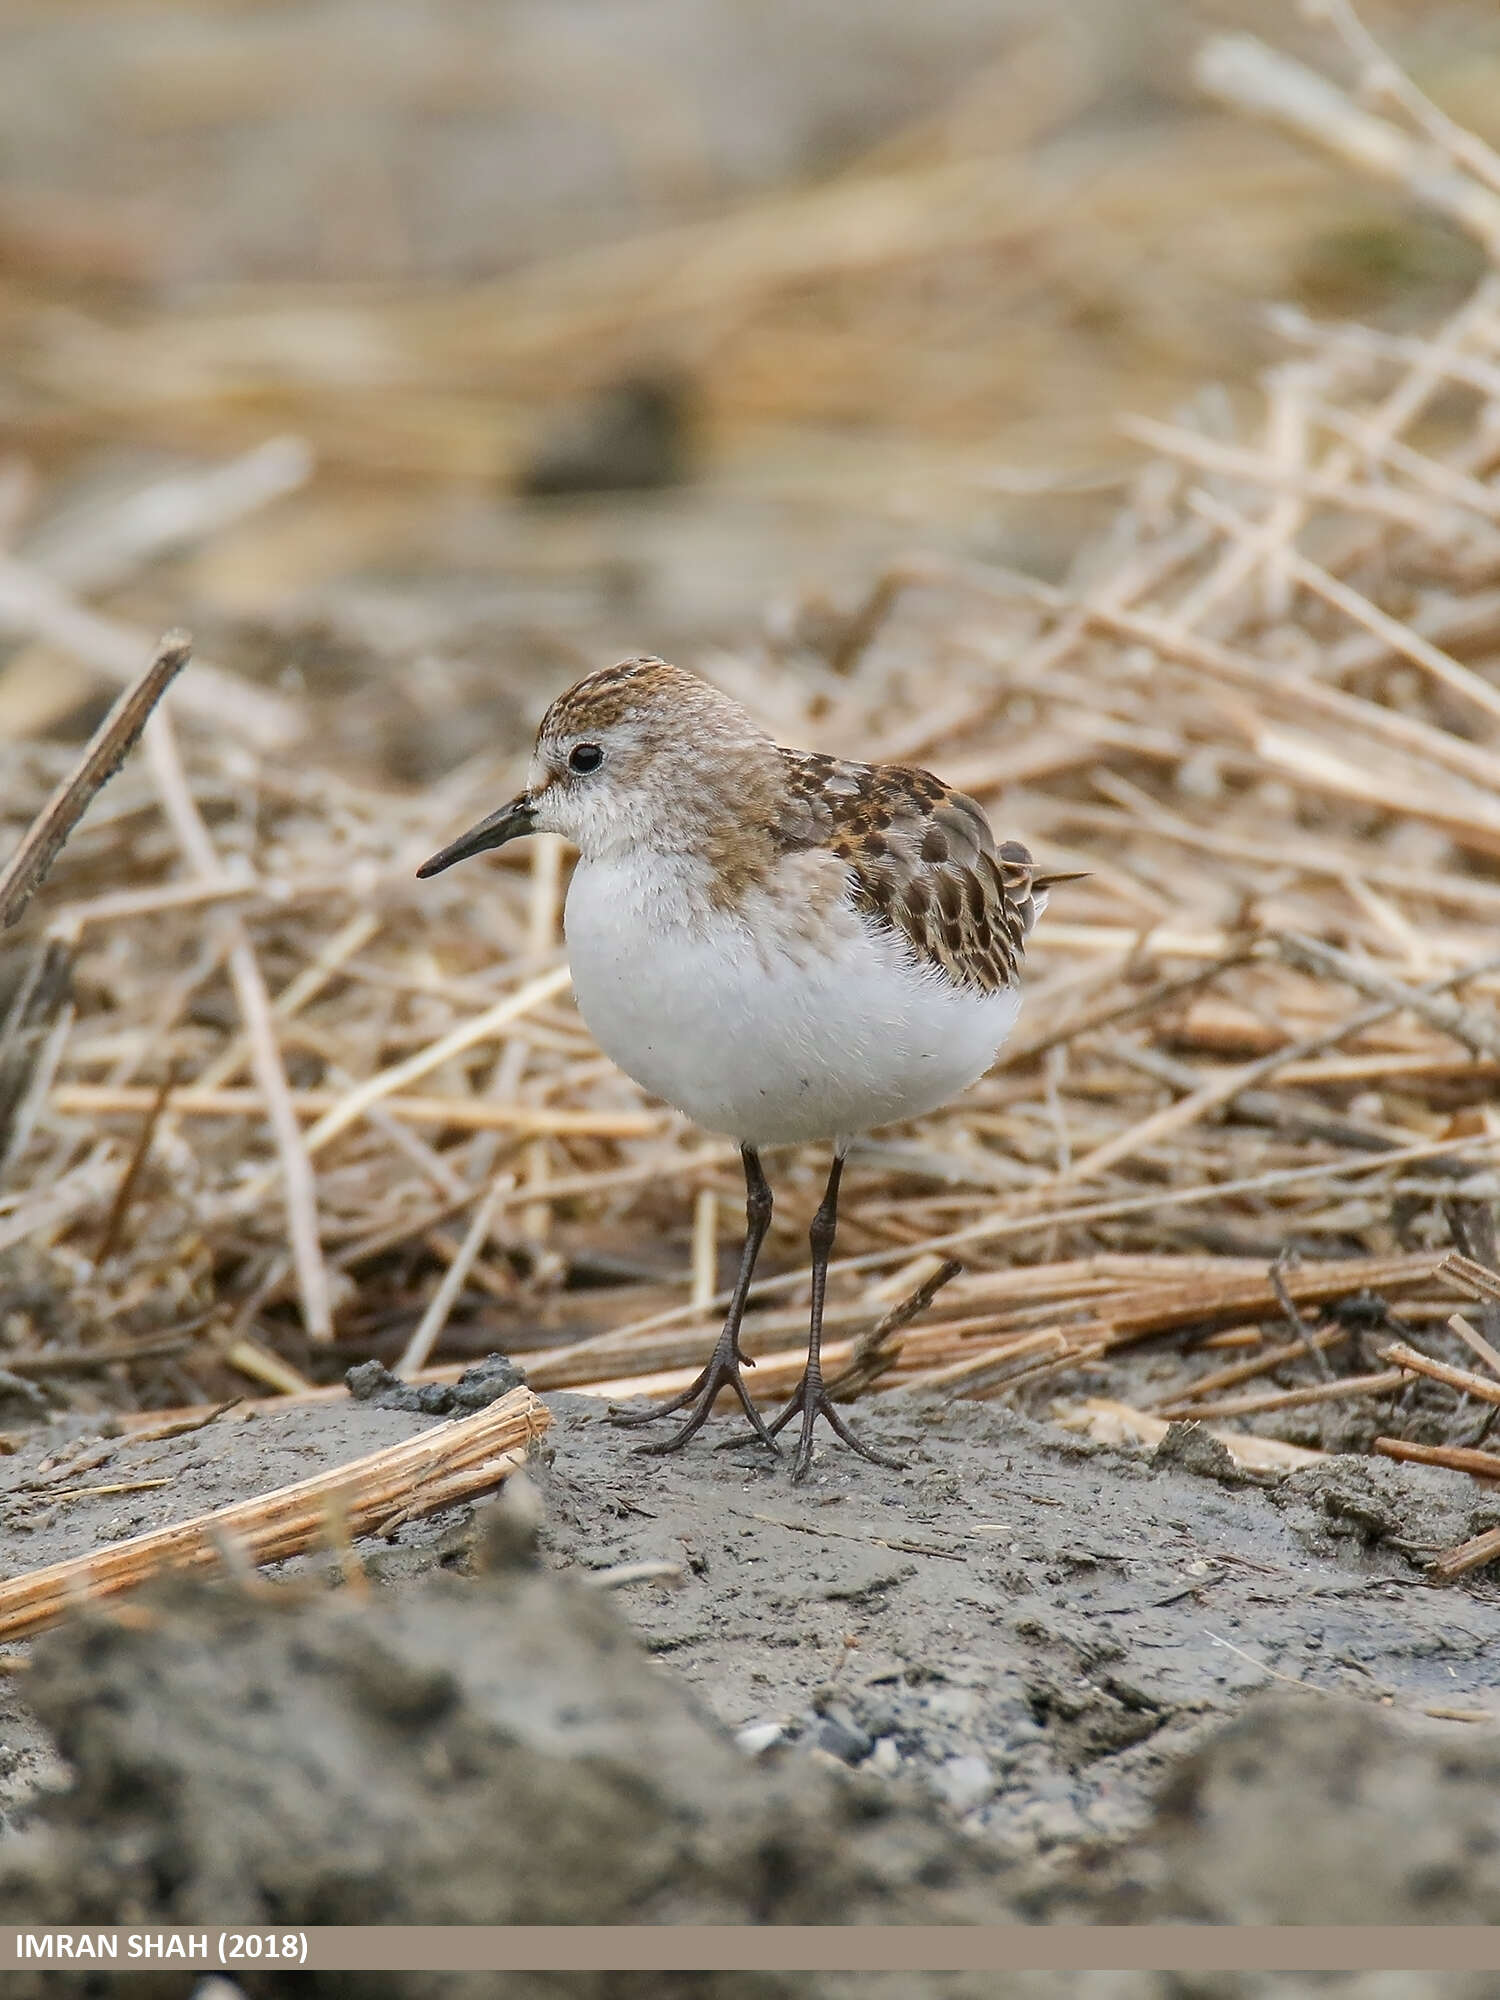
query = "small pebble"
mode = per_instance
[
  {"x": 885, "y": 1757},
  {"x": 965, "y": 1782},
  {"x": 756, "y": 1738},
  {"x": 844, "y": 1740}
]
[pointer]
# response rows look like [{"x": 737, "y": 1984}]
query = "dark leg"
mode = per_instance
[
  {"x": 726, "y": 1361},
  {"x": 810, "y": 1397}
]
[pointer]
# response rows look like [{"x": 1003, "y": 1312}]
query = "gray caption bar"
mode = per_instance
[{"x": 691, "y": 1948}]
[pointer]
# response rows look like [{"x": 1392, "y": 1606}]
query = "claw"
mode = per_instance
[
  {"x": 812, "y": 1400},
  {"x": 722, "y": 1371}
]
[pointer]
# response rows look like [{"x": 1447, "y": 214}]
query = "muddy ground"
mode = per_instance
[{"x": 1027, "y": 1679}]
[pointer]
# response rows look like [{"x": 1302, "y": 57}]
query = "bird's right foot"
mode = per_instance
[{"x": 722, "y": 1372}]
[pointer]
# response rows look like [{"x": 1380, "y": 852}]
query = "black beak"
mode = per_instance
[{"x": 509, "y": 823}]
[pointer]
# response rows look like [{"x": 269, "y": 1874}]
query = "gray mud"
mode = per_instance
[
  {"x": 1025, "y": 1680},
  {"x": 1037, "y": 1628}
]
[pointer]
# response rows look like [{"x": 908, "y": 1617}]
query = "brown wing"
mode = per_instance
[{"x": 923, "y": 860}]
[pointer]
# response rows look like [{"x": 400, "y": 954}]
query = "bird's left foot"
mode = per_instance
[{"x": 811, "y": 1398}]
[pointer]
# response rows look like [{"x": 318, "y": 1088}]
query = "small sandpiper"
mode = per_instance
[{"x": 785, "y": 946}]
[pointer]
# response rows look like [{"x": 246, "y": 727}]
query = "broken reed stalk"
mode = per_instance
[
  {"x": 1463, "y": 1379},
  {"x": 1339, "y": 1390},
  {"x": 108, "y": 747},
  {"x": 441, "y": 1465},
  {"x": 1183, "y": 1402},
  {"x": 948, "y": 1352},
  {"x": 1472, "y": 1277},
  {"x": 876, "y": 1351},
  {"x": 458, "y": 1114},
  {"x": 1473, "y": 1554},
  {"x": 991, "y": 1228},
  {"x": 1456, "y": 1457},
  {"x": 1475, "y": 1341}
]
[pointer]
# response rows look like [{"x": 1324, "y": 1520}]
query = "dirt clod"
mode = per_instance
[
  {"x": 494, "y": 1750},
  {"x": 485, "y": 1383},
  {"x": 1193, "y": 1449},
  {"x": 1390, "y": 1826}
]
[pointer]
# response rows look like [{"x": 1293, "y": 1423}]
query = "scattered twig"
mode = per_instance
[
  {"x": 1478, "y": 1032},
  {"x": 109, "y": 746},
  {"x": 1463, "y": 1379},
  {"x": 900, "y": 1543},
  {"x": 460, "y": 1114},
  {"x": 109, "y": 1491},
  {"x": 1476, "y": 1342},
  {"x": 1478, "y": 1282},
  {"x": 435, "y": 1318},
  {"x": 1113, "y": 1012},
  {"x": 1273, "y": 1673},
  {"x": 32, "y": 1030},
  {"x": 876, "y": 1352},
  {"x": 1472, "y": 1554},
  {"x": 1339, "y": 1390},
  {"x": 1181, "y": 1402},
  {"x": 181, "y": 1426},
  {"x": 1380, "y": 74},
  {"x": 119, "y": 1208},
  {"x": 1301, "y": 1118},
  {"x": 1456, "y": 1457},
  {"x": 1311, "y": 1347},
  {"x": 32, "y": 602}
]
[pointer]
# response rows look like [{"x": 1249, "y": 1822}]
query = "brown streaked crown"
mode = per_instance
[
  {"x": 634, "y": 687},
  {"x": 922, "y": 860}
]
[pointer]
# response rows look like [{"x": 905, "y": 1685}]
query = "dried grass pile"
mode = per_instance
[{"x": 270, "y": 1106}]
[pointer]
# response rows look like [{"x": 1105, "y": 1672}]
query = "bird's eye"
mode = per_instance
[{"x": 585, "y": 757}]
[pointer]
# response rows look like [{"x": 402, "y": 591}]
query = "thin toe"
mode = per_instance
[
  {"x": 810, "y": 1404},
  {"x": 703, "y": 1395},
  {"x": 659, "y": 1447},
  {"x": 841, "y": 1430},
  {"x": 628, "y": 1419}
]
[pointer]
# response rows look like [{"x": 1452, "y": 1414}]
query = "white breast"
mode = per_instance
[{"x": 755, "y": 1030}]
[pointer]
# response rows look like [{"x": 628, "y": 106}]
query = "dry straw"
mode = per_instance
[{"x": 1265, "y": 716}]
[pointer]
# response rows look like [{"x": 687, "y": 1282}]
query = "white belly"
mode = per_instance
[{"x": 770, "y": 1045}]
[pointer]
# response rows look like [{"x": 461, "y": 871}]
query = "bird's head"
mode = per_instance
[{"x": 634, "y": 756}]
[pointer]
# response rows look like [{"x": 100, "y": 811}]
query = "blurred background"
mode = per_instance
[{"x": 610, "y": 325}]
